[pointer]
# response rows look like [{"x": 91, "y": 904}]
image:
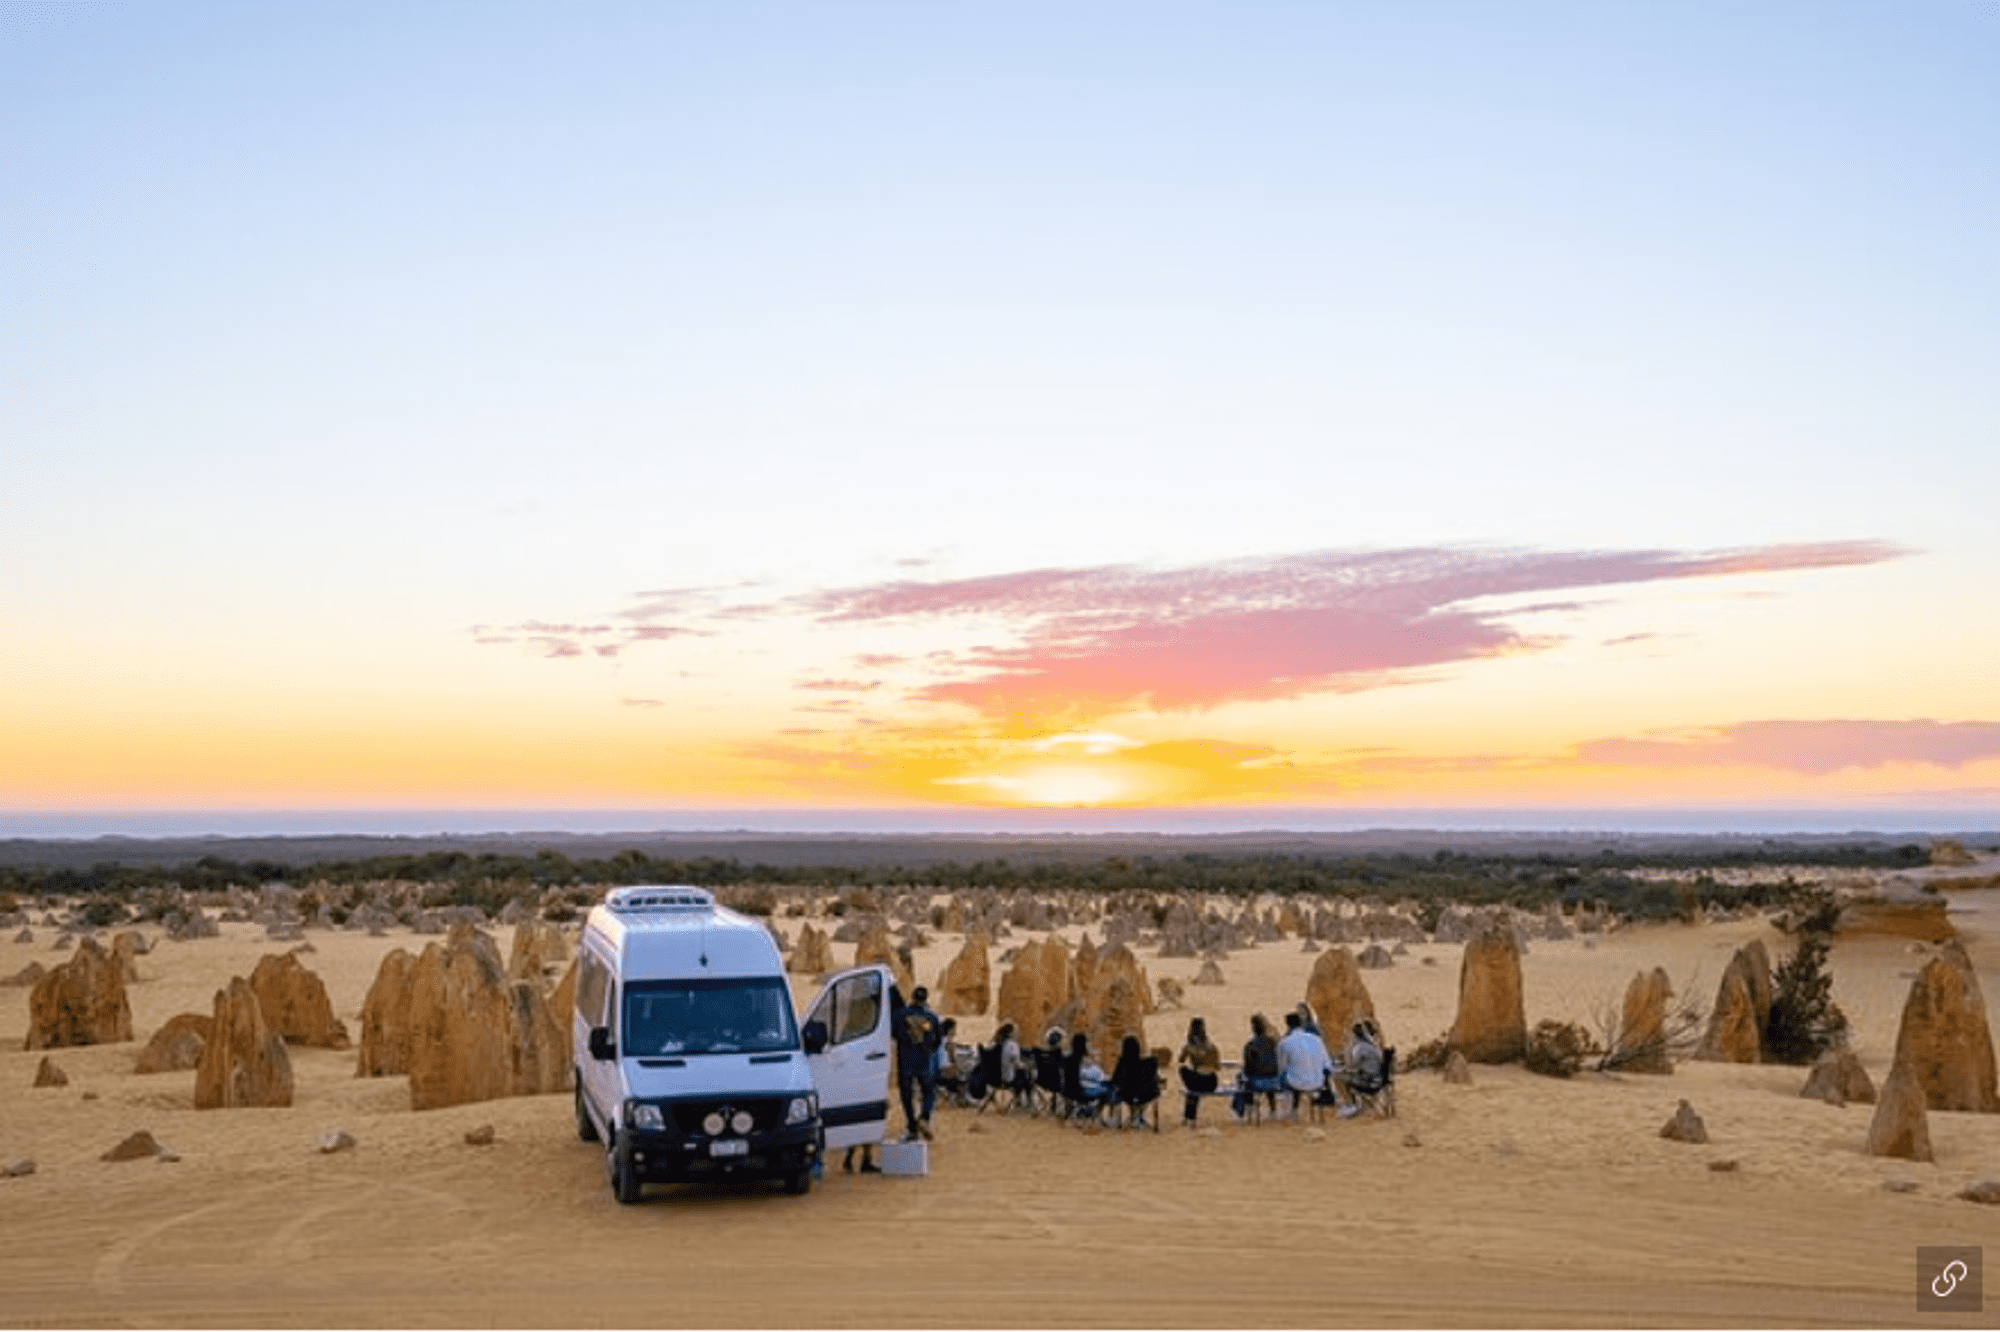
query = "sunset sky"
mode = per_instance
[{"x": 1041, "y": 404}]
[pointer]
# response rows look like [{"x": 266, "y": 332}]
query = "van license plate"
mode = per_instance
[{"x": 729, "y": 1147}]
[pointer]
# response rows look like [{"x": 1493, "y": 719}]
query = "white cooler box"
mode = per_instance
[{"x": 906, "y": 1158}]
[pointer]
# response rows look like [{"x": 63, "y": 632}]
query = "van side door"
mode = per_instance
[{"x": 851, "y": 1074}]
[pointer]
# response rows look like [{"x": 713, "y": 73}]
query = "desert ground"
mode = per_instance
[{"x": 1517, "y": 1200}]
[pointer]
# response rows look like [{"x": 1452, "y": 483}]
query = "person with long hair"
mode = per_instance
[
  {"x": 1260, "y": 1067},
  {"x": 1200, "y": 1067}
]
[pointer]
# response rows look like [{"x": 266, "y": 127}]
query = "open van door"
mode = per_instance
[{"x": 851, "y": 1070}]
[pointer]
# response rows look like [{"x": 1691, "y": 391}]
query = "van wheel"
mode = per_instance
[
  {"x": 799, "y": 1181},
  {"x": 586, "y": 1131},
  {"x": 624, "y": 1170}
]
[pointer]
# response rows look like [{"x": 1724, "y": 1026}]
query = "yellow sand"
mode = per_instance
[{"x": 1518, "y": 1200}]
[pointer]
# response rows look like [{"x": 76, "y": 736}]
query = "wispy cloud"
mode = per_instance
[
  {"x": 1096, "y": 641},
  {"x": 1812, "y": 747},
  {"x": 1070, "y": 646}
]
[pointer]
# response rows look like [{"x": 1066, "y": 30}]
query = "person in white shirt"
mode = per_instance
[{"x": 1303, "y": 1063}]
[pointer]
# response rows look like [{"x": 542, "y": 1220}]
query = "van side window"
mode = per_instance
[
  {"x": 857, "y": 1007},
  {"x": 592, "y": 987}
]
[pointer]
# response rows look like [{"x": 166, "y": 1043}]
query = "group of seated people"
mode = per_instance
[
  {"x": 1073, "y": 1081},
  {"x": 1299, "y": 1065}
]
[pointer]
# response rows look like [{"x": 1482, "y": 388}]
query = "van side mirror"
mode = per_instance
[
  {"x": 814, "y": 1036},
  {"x": 601, "y": 1044}
]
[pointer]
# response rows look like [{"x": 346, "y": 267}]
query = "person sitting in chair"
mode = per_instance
[
  {"x": 1303, "y": 1063},
  {"x": 1260, "y": 1067},
  {"x": 1135, "y": 1079},
  {"x": 1201, "y": 1068},
  {"x": 1360, "y": 1071},
  {"x": 1092, "y": 1089}
]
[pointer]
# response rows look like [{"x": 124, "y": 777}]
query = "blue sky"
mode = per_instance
[{"x": 340, "y": 335}]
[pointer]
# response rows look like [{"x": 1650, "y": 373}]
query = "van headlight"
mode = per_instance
[
  {"x": 648, "y": 1117},
  {"x": 802, "y": 1109}
]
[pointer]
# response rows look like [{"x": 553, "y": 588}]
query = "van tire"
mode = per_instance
[
  {"x": 799, "y": 1181},
  {"x": 586, "y": 1129},
  {"x": 625, "y": 1182}
]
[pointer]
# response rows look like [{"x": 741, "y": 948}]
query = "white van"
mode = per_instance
[{"x": 690, "y": 1064}]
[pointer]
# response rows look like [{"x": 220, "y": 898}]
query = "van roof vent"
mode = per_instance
[{"x": 630, "y": 901}]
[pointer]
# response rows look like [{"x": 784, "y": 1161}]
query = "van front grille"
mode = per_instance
[{"x": 766, "y": 1112}]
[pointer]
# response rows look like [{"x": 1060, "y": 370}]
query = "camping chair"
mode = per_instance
[
  {"x": 987, "y": 1085},
  {"x": 1048, "y": 1081},
  {"x": 1139, "y": 1089},
  {"x": 1379, "y": 1098}
]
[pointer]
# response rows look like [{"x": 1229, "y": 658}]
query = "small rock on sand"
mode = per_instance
[
  {"x": 1984, "y": 1191},
  {"x": 135, "y": 1147},
  {"x": 1685, "y": 1126},
  {"x": 336, "y": 1140},
  {"x": 17, "y": 1167},
  {"x": 479, "y": 1137}
]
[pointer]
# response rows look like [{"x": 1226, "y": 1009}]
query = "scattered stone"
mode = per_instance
[
  {"x": 177, "y": 1046},
  {"x": 17, "y": 1167},
  {"x": 1900, "y": 1185},
  {"x": 1642, "y": 1035},
  {"x": 385, "y": 1019},
  {"x": 1944, "y": 1038},
  {"x": 336, "y": 1140},
  {"x": 26, "y": 936},
  {"x": 1337, "y": 995},
  {"x": 1210, "y": 974},
  {"x": 136, "y": 1147},
  {"x": 1035, "y": 988},
  {"x": 1456, "y": 1070},
  {"x": 27, "y": 975},
  {"x": 1168, "y": 994},
  {"x": 1411, "y": 1139},
  {"x": 1900, "y": 1127},
  {"x": 244, "y": 1062},
  {"x": 1685, "y": 1126},
  {"x": 80, "y": 1002},
  {"x": 1492, "y": 1024},
  {"x": 1985, "y": 1191},
  {"x": 977, "y": 1126},
  {"x": 295, "y": 1003},
  {"x": 474, "y": 1033},
  {"x": 812, "y": 955},
  {"x": 167, "y": 1155},
  {"x": 538, "y": 946},
  {"x": 49, "y": 1074},
  {"x": 1313, "y": 1135},
  {"x": 90, "y": 1096},
  {"x": 1726, "y": 1165},
  {"x": 1742, "y": 1007},
  {"x": 1837, "y": 1078},
  {"x": 1375, "y": 958},
  {"x": 965, "y": 988},
  {"x": 479, "y": 1137}
]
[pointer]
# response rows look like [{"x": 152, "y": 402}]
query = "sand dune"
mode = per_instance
[{"x": 1517, "y": 1200}]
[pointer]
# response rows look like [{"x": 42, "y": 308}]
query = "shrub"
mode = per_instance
[
  {"x": 1804, "y": 1022},
  {"x": 1557, "y": 1049},
  {"x": 1431, "y": 1054}
]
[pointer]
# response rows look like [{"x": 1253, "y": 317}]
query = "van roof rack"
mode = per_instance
[{"x": 627, "y": 901}]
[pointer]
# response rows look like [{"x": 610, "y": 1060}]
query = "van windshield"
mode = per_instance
[{"x": 708, "y": 1016}]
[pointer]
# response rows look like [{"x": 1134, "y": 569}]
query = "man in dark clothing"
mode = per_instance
[{"x": 917, "y": 1037}]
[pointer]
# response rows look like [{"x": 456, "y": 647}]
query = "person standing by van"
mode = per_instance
[{"x": 918, "y": 1036}]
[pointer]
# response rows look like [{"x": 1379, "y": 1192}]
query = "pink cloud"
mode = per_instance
[
  {"x": 1815, "y": 747},
  {"x": 1098, "y": 640}
]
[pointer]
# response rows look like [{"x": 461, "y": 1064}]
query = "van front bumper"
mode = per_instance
[{"x": 777, "y": 1152}]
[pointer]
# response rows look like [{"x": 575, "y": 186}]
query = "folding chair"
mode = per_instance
[
  {"x": 989, "y": 1084},
  {"x": 1048, "y": 1081},
  {"x": 1381, "y": 1097},
  {"x": 1139, "y": 1090}
]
